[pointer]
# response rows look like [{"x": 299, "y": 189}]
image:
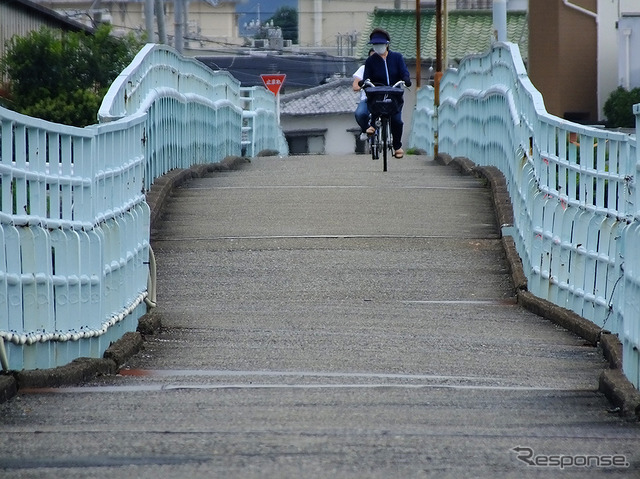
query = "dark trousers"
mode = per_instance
[{"x": 396, "y": 130}]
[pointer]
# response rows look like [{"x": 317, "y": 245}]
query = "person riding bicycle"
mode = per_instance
[
  {"x": 387, "y": 67},
  {"x": 362, "y": 110}
]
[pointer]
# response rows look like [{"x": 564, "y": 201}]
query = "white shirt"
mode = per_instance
[{"x": 359, "y": 74}]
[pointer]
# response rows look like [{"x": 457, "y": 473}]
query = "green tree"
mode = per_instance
[
  {"x": 62, "y": 77},
  {"x": 287, "y": 19},
  {"x": 619, "y": 108}
]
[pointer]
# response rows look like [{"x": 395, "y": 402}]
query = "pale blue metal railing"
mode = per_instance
[
  {"x": 260, "y": 123},
  {"x": 573, "y": 188},
  {"x": 73, "y": 238},
  {"x": 186, "y": 98},
  {"x": 74, "y": 224}
]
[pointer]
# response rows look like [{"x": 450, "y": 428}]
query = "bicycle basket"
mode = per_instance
[{"x": 384, "y": 100}]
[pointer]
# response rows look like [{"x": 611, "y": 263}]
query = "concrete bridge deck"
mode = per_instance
[{"x": 322, "y": 318}]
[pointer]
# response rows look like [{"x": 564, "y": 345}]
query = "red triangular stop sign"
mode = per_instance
[{"x": 273, "y": 82}]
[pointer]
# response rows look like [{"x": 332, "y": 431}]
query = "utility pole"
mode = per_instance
[
  {"x": 418, "y": 41},
  {"x": 438, "y": 75},
  {"x": 178, "y": 31},
  {"x": 445, "y": 34},
  {"x": 185, "y": 23},
  {"x": 500, "y": 20},
  {"x": 148, "y": 20},
  {"x": 162, "y": 31},
  {"x": 317, "y": 23}
]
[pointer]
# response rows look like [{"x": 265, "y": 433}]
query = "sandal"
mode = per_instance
[{"x": 399, "y": 153}]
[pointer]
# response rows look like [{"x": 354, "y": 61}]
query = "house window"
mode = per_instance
[{"x": 303, "y": 142}]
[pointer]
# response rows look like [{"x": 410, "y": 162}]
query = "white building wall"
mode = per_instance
[
  {"x": 607, "y": 45},
  {"x": 628, "y": 48},
  {"x": 338, "y": 141},
  {"x": 612, "y": 45}
]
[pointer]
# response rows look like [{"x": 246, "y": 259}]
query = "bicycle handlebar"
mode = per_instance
[{"x": 367, "y": 84}]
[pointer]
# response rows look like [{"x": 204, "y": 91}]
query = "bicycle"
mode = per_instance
[{"x": 383, "y": 102}]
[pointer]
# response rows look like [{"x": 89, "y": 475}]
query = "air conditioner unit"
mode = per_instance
[{"x": 275, "y": 43}]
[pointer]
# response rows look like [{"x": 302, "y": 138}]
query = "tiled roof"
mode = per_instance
[
  {"x": 469, "y": 31},
  {"x": 330, "y": 98}
]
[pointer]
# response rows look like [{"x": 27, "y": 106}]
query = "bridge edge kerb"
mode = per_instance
[
  {"x": 612, "y": 382},
  {"x": 620, "y": 392},
  {"x": 124, "y": 348},
  {"x": 77, "y": 371},
  {"x": 612, "y": 349},
  {"x": 8, "y": 387},
  {"x": 514, "y": 263},
  {"x": 501, "y": 198}
]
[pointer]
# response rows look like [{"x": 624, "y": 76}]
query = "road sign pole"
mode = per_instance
[{"x": 273, "y": 83}]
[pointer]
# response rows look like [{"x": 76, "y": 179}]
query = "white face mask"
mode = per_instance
[{"x": 380, "y": 48}]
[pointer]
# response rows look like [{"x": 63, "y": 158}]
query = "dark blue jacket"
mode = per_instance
[{"x": 374, "y": 69}]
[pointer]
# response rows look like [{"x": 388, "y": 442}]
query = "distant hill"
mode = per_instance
[{"x": 248, "y": 10}]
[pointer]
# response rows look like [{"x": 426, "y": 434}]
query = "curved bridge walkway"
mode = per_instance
[{"x": 322, "y": 318}]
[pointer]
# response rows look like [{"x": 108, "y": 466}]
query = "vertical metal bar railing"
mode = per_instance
[
  {"x": 573, "y": 189},
  {"x": 74, "y": 224}
]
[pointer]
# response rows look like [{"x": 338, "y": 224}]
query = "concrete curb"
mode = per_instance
[
  {"x": 8, "y": 387},
  {"x": 612, "y": 382},
  {"x": 85, "y": 369},
  {"x": 77, "y": 371}
]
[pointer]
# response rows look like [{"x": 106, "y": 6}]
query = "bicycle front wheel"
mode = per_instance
[
  {"x": 384, "y": 131},
  {"x": 374, "y": 145}
]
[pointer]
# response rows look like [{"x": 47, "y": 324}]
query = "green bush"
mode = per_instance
[
  {"x": 619, "y": 108},
  {"x": 63, "y": 76},
  {"x": 78, "y": 108}
]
